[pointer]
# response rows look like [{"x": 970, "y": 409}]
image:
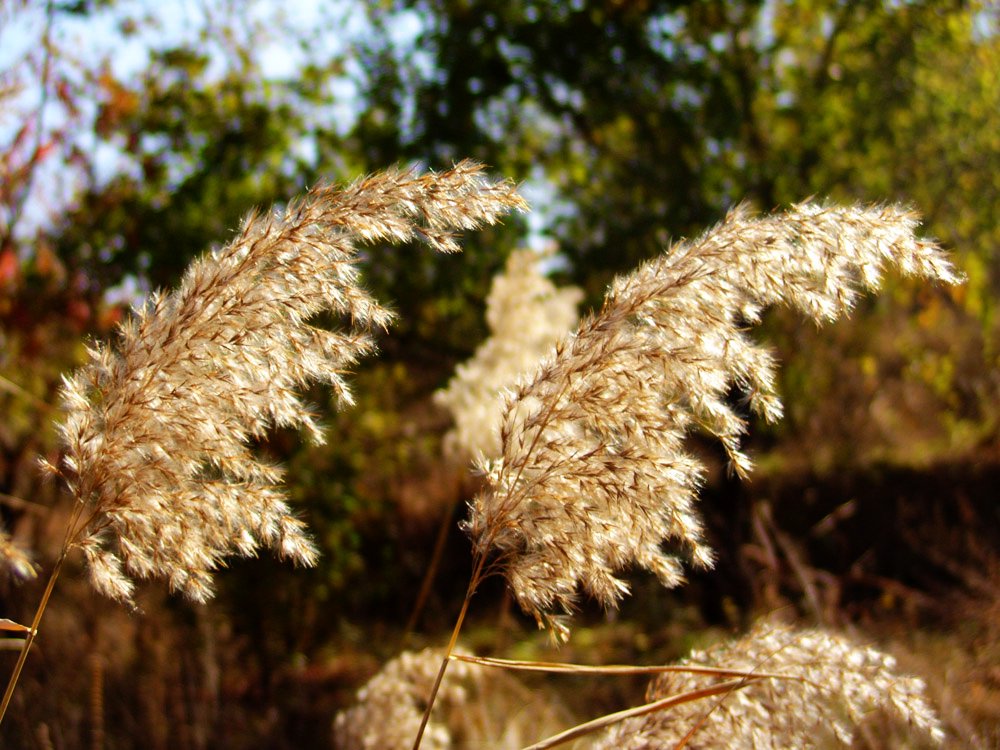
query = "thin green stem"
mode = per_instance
[{"x": 6, "y": 384}]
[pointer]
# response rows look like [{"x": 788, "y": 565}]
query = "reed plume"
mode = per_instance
[
  {"x": 476, "y": 708},
  {"x": 832, "y": 687},
  {"x": 593, "y": 478},
  {"x": 527, "y": 314},
  {"x": 159, "y": 428}
]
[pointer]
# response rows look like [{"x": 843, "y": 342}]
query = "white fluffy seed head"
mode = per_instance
[
  {"x": 476, "y": 707},
  {"x": 830, "y": 687},
  {"x": 593, "y": 477},
  {"x": 527, "y": 314},
  {"x": 159, "y": 426}
]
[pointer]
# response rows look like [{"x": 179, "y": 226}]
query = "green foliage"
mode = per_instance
[
  {"x": 585, "y": 96},
  {"x": 655, "y": 117},
  {"x": 207, "y": 149},
  {"x": 922, "y": 131},
  {"x": 645, "y": 118}
]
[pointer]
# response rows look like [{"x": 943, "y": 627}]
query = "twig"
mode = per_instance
[
  {"x": 565, "y": 668},
  {"x": 590, "y": 727}
]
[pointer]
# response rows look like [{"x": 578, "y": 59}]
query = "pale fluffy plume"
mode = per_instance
[
  {"x": 834, "y": 686},
  {"x": 476, "y": 708},
  {"x": 159, "y": 427},
  {"x": 527, "y": 314},
  {"x": 593, "y": 477}
]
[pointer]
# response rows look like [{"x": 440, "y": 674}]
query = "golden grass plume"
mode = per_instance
[
  {"x": 833, "y": 686},
  {"x": 594, "y": 478},
  {"x": 159, "y": 426}
]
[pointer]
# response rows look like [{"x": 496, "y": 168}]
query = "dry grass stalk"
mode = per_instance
[
  {"x": 839, "y": 685},
  {"x": 527, "y": 314},
  {"x": 593, "y": 478},
  {"x": 159, "y": 428}
]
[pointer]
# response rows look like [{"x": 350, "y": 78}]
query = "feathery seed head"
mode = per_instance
[
  {"x": 832, "y": 685},
  {"x": 388, "y": 710},
  {"x": 476, "y": 707},
  {"x": 527, "y": 314},
  {"x": 159, "y": 427},
  {"x": 593, "y": 477}
]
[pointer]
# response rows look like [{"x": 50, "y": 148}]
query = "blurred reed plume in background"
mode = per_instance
[
  {"x": 527, "y": 314},
  {"x": 593, "y": 476},
  {"x": 159, "y": 427},
  {"x": 476, "y": 708},
  {"x": 793, "y": 688},
  {"x": 833, "y": 687}
]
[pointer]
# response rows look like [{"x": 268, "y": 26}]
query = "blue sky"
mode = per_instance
[
  {"x": 328, "y": 29},
  {"x": 83, "y": 44}
]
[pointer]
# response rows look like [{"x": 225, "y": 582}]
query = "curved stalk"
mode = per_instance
[
  {"x": 590, "y": 727},
  {"x": 474, "y": 580},
  {"x": 72, "y": 529}
]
